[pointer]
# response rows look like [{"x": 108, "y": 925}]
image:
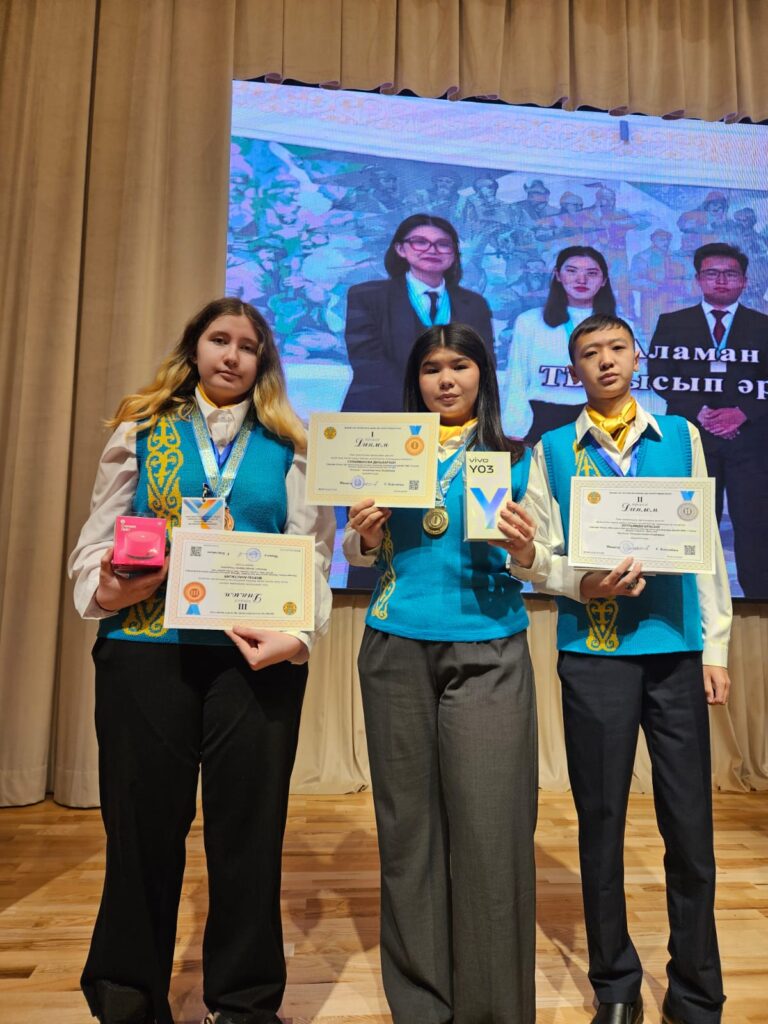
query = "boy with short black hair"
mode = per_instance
[{"x": 637, "y": 651}]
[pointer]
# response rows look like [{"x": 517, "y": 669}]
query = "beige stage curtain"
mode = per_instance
[
  {"x": 703, "y": 58},
  {"x": 113, "y": 206},
  {"x": 332, "y": 756}
]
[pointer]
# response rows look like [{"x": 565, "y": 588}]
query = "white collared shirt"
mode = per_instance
[
  {"x": 223, "y": 422},
  {"x": 421, "y": 287},
  {"x": 115, "y": 487},
  {"x": 714, "y": 592},
  {"x": 730, "y": 312}
]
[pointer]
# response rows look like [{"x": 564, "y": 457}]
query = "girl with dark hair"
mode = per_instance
[
  {"x": 384, "y": 317},
  {"x": 450, "y": 713},
  {"x": 539, "y": 394},
  {"x": 169, "y": 702}
]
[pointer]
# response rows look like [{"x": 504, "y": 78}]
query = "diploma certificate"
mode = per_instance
[
  {"x": 220, "y": 578},
  {"x": 391, "y": 457},
  {"x": 667, "y": 523}
]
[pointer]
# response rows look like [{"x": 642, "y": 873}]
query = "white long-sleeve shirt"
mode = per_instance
[
  {"x": 114, "y": 490},
  {"x": 714, "y": 592}
]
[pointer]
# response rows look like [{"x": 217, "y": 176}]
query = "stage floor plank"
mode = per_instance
[{"x": 51, "y": 863}]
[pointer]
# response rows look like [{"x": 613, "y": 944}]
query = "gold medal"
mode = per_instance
[
  {"x": 229, "y": 519},
  {"x": 435, "y": 521}
]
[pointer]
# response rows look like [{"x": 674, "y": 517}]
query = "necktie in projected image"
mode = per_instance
[
  {"x": 719, "y": 332},
  {"x": 433, "y": 297}
]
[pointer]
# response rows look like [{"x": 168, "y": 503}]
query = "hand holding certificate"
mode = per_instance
[
  {"x": 667, "y": 523},
  {"x": 391, "y": 457},
  {"x": 218, "y": 579}
]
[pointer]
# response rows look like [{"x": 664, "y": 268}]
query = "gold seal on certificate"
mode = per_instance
[
  {"x": 221, "y": 578},
  {"x": 391, "y": 457},
  {"x": 667, "y": 523}
]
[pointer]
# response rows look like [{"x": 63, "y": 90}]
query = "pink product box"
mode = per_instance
[{"x": 139, "y": 544}]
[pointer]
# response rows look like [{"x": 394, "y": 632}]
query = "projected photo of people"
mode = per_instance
[
  {"x": 710, "y": 363},
  {"x": 539, "y": 394},
  {"x": 384, "y": 317},
  {"x": 352, "y": 228}
]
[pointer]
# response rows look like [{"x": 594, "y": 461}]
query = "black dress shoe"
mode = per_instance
[{"x": 619, "y": 1013}]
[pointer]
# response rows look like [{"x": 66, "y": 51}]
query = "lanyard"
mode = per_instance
[
  {"x": 613, "y": 465},
  {"x": 223, "y": 455},
  {"x": 457, "y": 463},
  {"x": 221, "y": 470}
]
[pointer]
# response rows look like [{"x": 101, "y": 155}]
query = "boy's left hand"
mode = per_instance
[
  {"x": 717, "y": 684},
  {"x": 519, "y": 530},
  {"x": 264, "y": 647}
]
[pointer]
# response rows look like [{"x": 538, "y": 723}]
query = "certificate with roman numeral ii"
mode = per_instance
[{"x": 667, "y": 523}]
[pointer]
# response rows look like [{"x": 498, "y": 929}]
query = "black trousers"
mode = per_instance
[
  {"x": 741, "y": 472},
  {"x": 605, "y": 701},
  {"x": 163, "y": 711}
]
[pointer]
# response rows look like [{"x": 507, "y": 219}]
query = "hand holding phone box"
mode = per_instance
[{"x": 487, "y": 489}]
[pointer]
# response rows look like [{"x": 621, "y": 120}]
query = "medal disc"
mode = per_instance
[
  {"x": 229, "y": 519},
  {"x": 435, "y": 521}
]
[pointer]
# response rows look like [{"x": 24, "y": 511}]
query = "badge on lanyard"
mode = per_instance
[
  {"x": 221, "y": 468},
  {"x": 203, "y": 513}
]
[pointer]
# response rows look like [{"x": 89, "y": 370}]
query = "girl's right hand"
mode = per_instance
[
  {"x": 369, "y": 521},
  {"x": 115, "y": 592}
]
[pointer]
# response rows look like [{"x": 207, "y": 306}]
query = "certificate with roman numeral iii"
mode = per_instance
[
  {"x": 221, "y": 578},
  {"x": 391, "y": 457},
  {"x": 667, "y": 523}
]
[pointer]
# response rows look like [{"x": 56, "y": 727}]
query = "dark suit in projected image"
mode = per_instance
[
  {"x": 737, "y": 460},
  {"x": 381, "y": 328}
]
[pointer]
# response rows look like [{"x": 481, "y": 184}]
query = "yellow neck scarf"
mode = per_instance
[
  {"x": 210, "y": 401},
  {"x": 616, "y": 426},
  {"x": 446, "y": 433}
]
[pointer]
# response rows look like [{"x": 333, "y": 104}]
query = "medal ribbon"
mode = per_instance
[
  {"x": 614, "y": 466},
  {"x": 444, "y": 482},
  {"x": 220, "y": 483}
]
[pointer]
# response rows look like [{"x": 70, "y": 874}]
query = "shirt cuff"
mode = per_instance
[
  {"x": 306, "y": 638},
  {"x": 352, "y": 550},
  {"x": 715, "y": 654},
  {"x": 537, "y": 571}
]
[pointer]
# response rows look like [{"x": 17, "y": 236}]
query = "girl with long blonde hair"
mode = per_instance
[{"x": 173, "y": 703}]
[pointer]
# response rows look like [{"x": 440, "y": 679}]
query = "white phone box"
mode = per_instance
[{"x": 487, "y": 488}]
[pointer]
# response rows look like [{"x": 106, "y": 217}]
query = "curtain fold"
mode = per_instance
[
  {"x": 45, "y": 95},
  {"x": 154, "y": 252},
  {"x": 701, "y": 58},
  {"x": 113, "y": 209}
]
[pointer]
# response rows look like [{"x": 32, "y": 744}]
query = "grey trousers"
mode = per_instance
[{"x": 452, "y": 742}]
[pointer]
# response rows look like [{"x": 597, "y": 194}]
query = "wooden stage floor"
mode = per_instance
[{"x": 51, "y": 863}]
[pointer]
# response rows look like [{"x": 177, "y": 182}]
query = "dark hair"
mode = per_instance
[
  {"x": 597, "y": 322},
  {"x": 397, "y": 265},
  {"x": 556, "y": 308},
  {"x": 720, "y": 249},
  {"x": 463, "y": 339}
]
